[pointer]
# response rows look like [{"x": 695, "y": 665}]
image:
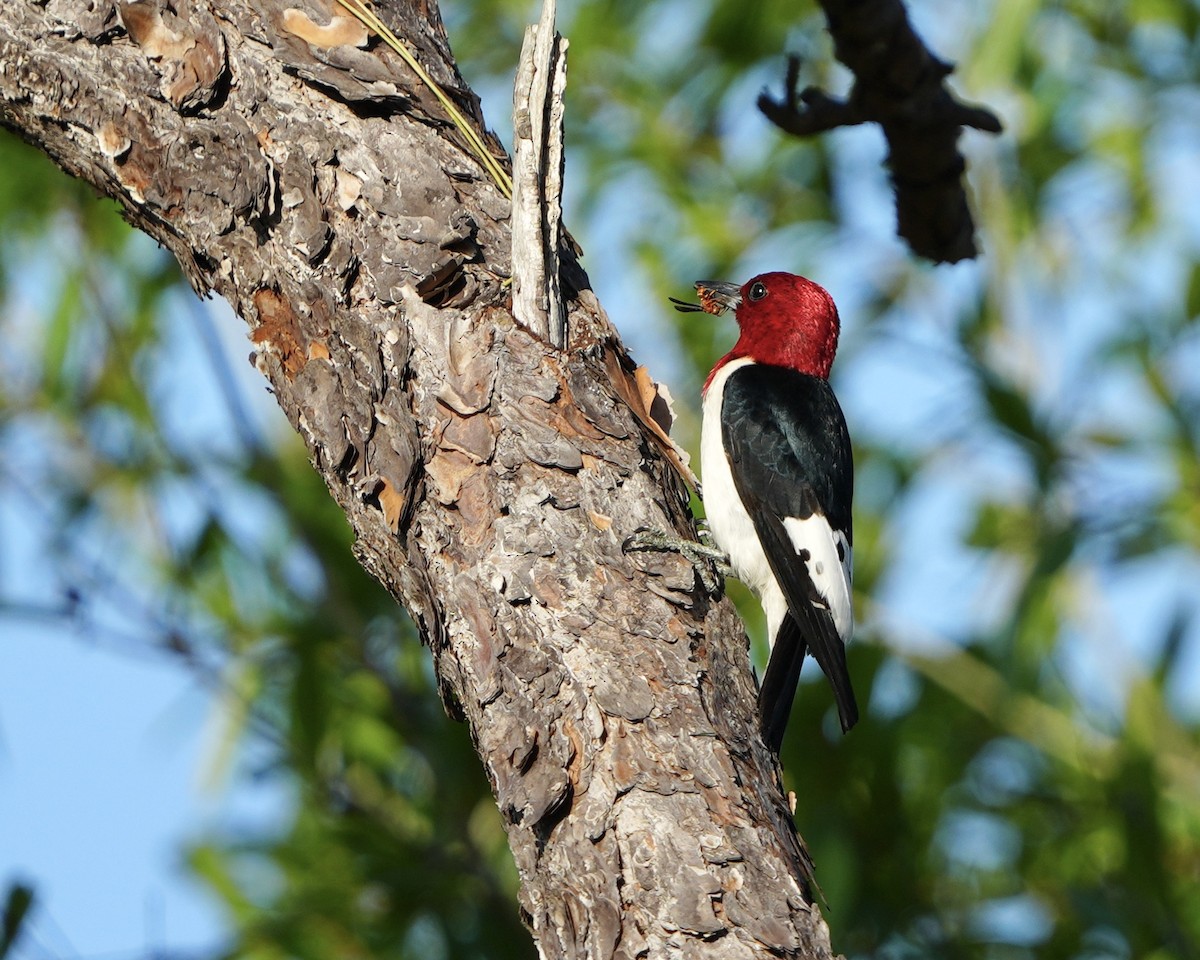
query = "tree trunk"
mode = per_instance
[{"x": 313, "y": 181}]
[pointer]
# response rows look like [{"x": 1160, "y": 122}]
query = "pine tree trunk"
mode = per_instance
[{"x": 313, "y": 181}]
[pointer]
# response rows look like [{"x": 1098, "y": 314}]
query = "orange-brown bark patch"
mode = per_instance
[
  {"x": 339, "y": 32},
  {"x": 391, "y": 502},
  {"x": 279, "y": 330}
]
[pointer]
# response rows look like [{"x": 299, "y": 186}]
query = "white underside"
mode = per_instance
[{"x": 734, "y": 531}]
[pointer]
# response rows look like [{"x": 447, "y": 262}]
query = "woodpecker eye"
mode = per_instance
[{"x": 758, "y": 290}]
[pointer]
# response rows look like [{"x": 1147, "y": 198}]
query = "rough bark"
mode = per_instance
[
  {"x": 301, "y": 172},
  {"x": 901, "y": 85}
]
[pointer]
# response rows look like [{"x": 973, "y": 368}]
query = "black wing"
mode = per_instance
[{"x": 789, "y": 453}]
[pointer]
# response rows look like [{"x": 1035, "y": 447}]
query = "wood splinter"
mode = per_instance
[{"x": 537, "y": 179}]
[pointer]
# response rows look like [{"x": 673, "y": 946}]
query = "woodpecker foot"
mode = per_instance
[{"x": 709, "y": 561}]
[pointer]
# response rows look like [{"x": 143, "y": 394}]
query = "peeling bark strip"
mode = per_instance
[
  {"x": 309, "y": 178},
  {"x": 899, "y": 84}
]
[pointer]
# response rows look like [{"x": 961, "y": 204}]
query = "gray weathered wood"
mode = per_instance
[
  {"x": 537, "y": 179},
  {"x": 304, "y": 174}
]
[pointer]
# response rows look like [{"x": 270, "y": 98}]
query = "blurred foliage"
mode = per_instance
[
  {"x": 16, "y": 906},
  {"x": 1027, "y": 778},
  {"x": 179, "y": 522}
]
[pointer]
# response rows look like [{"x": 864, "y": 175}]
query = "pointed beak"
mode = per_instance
[{"x": 716, "y": 296}]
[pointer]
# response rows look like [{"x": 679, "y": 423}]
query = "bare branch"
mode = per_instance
[{"x": 899, "y": 84}]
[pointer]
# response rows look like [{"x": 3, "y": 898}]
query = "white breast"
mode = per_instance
[{"x": 728, "y": 520}]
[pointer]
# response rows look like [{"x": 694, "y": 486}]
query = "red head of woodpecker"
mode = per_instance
[{"x": 779, "y": 479}]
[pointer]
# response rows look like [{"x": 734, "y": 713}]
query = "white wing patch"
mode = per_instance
[{"x": 828, "y": 566}]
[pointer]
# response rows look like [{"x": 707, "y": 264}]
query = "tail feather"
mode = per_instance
[
  {"x": 810, "y": 618},
  {"x": 778, "y": 688}
]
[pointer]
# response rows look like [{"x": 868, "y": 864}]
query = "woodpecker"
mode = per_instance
[{"x": 778, "y": 479}]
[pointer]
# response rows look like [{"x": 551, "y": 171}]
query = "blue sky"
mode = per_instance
[{"x": 102, "y": 755}]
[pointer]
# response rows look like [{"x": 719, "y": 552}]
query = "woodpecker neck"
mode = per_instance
[{"x": 812, "y": 355}]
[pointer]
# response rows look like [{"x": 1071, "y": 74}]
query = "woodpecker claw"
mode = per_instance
[
  {"x": 719, "y": 556},
  {"x": 710, "y": 562}
]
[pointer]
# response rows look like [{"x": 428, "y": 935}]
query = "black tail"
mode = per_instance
[{"x": 778, "y": 688}]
